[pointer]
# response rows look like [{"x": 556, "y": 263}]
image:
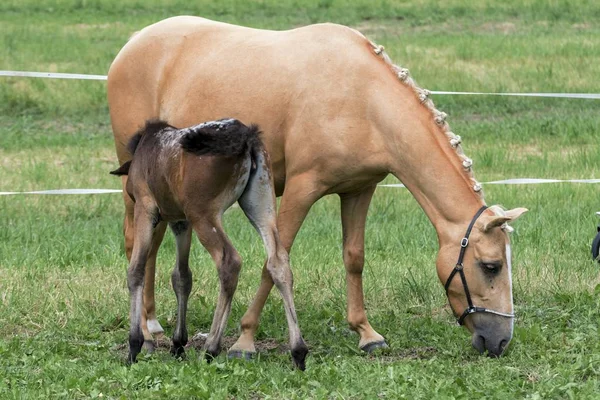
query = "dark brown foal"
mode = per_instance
[{"x": 188, "y": 178}]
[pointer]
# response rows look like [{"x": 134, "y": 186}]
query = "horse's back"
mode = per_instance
[
  {"x": 191, "y": 61},
  {"x": 186, "y": 70}
]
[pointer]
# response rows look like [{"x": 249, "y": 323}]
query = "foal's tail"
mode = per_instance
[{"x": 226, "y": 137}]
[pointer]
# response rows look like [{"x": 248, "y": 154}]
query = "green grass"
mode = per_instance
[{"x": 63, "y": 295}]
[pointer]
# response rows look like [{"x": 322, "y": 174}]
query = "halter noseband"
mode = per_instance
[{"x": 471, "y": 309}]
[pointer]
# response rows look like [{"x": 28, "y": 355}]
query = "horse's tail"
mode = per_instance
[
  {"x": 227, "y": 137},
  {"x": 151, "y": 127}
]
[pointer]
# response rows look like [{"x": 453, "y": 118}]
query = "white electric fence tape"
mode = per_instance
[
  {"x": 520, "y": 181},
  {"x": 515, "y": 181},
  {"x": 66, "y": 191},
  {"x": 553, "y": 95},
  {"x": 52, "y": 75},
  {"x": 57, "y": 75}
]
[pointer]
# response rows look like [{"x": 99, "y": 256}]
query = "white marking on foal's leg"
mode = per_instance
[{"x": 154, "y": 326}]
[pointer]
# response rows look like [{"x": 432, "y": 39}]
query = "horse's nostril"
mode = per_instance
[
  {"x": 478, "y": 343},
  {"x": 502, "y": 346}
]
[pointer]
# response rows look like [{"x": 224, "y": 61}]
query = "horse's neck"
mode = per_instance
[{"x": 421, "y": 156}]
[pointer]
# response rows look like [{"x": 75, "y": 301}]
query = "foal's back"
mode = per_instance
[{"x": 193, "y": 172}]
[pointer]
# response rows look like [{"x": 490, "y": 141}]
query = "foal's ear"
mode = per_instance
[
  {"x": 122, "y": 170},
  {"x": 493, "y": 221}
]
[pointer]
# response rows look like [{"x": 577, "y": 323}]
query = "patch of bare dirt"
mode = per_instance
[
  {"x": 414, "y": 353},
  {"x": 495, "y": 27},
  {"x": 197, "y": 342}
]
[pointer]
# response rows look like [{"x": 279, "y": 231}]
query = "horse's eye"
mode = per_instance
[{"x": 493, "y": 267}]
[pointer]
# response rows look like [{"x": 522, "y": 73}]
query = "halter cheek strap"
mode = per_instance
[{"x": 459, "y": 268}]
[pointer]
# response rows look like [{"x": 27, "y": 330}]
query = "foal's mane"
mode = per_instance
[{"x": 439, "y": 117}]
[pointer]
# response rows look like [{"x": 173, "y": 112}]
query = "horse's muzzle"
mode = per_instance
[{"x": 494, "y": 344}]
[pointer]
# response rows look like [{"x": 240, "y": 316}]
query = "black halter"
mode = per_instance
[{"x": 459, "y": 268}]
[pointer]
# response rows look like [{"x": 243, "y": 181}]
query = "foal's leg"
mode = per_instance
[
  {"x": 228, "y": 263},
  {"x": 135, "y": 278},
  {"x": 354, "y": 216},
  {"x": 181, "y": 279},
  {"x": 299, "y": 195},
  {"x": 150, "y": 324},
  {"x": 258, "y": 202}
]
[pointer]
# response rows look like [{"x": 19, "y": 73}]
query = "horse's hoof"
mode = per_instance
[
  {"x": 371, "y": 347},
  {"x": 240, "y": 354},
  {"x": 148, "y": 346}
]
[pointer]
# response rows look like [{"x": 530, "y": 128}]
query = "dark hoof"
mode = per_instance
[
  {"x": 371, "y": 347},
  {"x": 210, "y": 355},
  {"x": 131, "y": 359},
  {"x": 299, "y": 356},
  {"x": 242, "y": 355},
  {"x": 178, "y": 352},
  {"x": 148, "y": 346}
]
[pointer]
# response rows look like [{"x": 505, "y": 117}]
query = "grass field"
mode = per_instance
[{"x": 63, "y": 293}]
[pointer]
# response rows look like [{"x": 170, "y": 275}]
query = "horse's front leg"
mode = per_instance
[{"x": 354, "y": 209}]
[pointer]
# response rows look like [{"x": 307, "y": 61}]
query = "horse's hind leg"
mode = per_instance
[
  {"x": 258, "y": 203},
  {"x": 354, "y": 215},
  {"x": 154, "y": 327},
  {"x": 181, "y": 279},
  {"x": 229, "y": 263},
  {"x": 135, "y": 277}
]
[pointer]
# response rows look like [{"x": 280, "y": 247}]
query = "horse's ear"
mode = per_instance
[
  {"x": 516, "y": 213},
  {"x": 122, "y": 170},
  {"x": 493, "y": 221}
]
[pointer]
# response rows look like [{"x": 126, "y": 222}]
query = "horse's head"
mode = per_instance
[{"x": 477, "y": 274}]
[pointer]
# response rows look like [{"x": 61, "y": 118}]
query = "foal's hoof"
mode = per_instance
[
  {"x": 371, "y": 347},
  {"x": 148, "y": 346},
  {"x": 210, "y": 355},
  {"x": 178, "y": 352},
  {"x": 240, "y": 354},
  {"x": 131, "y": 359},
  {"x": 299, "y": 357}
]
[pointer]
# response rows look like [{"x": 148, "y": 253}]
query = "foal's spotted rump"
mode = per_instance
[{"x": 188, "y": 178}]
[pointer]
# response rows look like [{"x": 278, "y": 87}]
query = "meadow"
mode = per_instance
[{"x": 63, "y": 292}]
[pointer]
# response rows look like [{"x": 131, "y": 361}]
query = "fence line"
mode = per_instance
[
  {"x": 514, "y": 181},
  {"x": 58, "y": 75}
]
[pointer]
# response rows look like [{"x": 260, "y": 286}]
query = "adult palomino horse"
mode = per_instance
[
  {"x": 188, "y": 178},
  {"x": 337, "y": 117}
]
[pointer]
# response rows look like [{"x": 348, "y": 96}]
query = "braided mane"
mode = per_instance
[{"x": 438, "y": 116}]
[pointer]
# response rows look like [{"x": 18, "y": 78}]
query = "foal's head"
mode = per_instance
[{"x": 487, "y": 271}]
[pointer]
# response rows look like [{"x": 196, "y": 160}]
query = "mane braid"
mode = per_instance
[{"x": 438, "y": 116}]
